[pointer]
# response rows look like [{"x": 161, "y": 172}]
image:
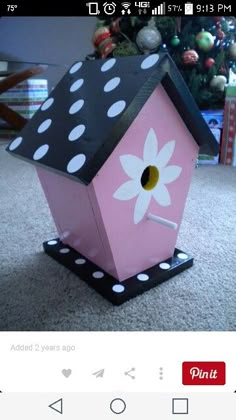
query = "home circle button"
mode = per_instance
[{"x": 118, "y": 406}]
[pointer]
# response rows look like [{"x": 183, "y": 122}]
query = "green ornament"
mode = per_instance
[
  {"x": 175, "y": 41},
  {"x": 205, "y": 41}
]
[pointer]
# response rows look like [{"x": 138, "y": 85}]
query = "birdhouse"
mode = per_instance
[{"x": 115, "y": 146}]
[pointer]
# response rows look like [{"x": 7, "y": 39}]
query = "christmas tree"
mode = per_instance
[{"x": 203, "y": 48}]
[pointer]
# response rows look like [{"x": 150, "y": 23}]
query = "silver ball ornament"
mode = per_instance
[{"x": 148, "y": 39}]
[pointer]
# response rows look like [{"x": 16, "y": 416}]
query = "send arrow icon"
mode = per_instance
[
  {"x": 99, "y": 373},
  {"x": 57, "y": 406}
]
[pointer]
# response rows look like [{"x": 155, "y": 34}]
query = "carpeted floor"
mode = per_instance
[{"x": 36, "y": 293}]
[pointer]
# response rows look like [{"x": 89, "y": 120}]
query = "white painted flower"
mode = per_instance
[{"x": 149, "y": 176}]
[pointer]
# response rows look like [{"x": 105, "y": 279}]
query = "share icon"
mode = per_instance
[{"x": 128, "y": 373}]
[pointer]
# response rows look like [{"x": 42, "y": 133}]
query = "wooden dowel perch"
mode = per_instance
[{"x": 164, "y": 222}]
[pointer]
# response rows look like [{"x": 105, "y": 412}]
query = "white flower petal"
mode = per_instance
[
  {"x": 127, "y": 190},
  {"x": 141, "y": 206},
  {"x": 161, "y": 195},
  {"x": 150, "y": 147},
  {"x": 170, "y": 174},
  {"x": 165, "y": 154},
  {"x": 132, "y": 165}
]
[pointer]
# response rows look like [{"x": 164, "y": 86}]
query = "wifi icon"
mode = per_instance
[
  {"x": 126, "y": 9},
  {"x": 126, "y": 5}
]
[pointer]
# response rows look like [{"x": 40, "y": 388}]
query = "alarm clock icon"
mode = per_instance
[{"x": 109, "y": 8}]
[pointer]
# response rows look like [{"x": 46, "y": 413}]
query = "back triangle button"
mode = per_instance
[{"x": 57, "y": 406}]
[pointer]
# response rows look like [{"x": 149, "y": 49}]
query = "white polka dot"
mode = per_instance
[
  {"x": 16, "y": 143},
  {"x": 98, "y": 274},
  {"x": 75, "y": 67},
  {"x": 44, "y": 126},
  {"x": 76, "y": 163},
  {"x": 150, "y": 61},
  {"x": 112, "y": 84},
  {"x": 64, "y": 250},
  {"x": 118, "y": 288},
  {"x": 108, "y": 64},
  {"x": 142, "y": 277},
  {"x": 77, "y": 132},
  {"x": 53, "y": 242},
  {"x": 47, "y": 104},
  {"x": 76, "y": 106},
  {"x": 182, "y": 256},
  {"x": 80, "y": 261},
  {"x": 116, "y": 109},
  {"x": 41, "y": 152},
  {"x": 76, "y": 85},
  {"x": 164, "y": 266}
]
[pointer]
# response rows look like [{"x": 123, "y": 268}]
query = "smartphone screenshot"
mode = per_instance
[{"x": 117, "y": 210}]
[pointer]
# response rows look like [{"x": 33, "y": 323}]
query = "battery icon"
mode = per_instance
[{"x": 188, "y": 8}]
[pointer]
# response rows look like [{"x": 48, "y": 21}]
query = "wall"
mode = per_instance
[{"x": 53, "y": 40}]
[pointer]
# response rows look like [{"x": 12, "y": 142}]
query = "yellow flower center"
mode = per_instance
[{"x": 149, "y": 178}]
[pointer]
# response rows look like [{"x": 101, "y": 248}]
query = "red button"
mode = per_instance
[{"x": 203, "y": 373}]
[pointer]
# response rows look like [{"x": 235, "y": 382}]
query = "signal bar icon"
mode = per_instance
[{"x": 159, "y": 10}]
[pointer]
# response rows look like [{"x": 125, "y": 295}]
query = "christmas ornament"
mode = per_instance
[
  {"x": 232, "y": 51},
  {"x": 218, "y": 83},
  {"x": 220, "y": 34},
  {"x": 190, "y": 57},
  {"x": 209, "y": 62},
  {"x": 103, "y": 42},
  {"x": 100, "y": 35},
  {"x": 175, "y": 41},
  {"x": 148, "y": 39},
  {"x": 205, "y": 41}
]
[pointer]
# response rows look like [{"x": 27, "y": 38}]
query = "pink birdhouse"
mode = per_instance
[{"x": 115, "y": 146}]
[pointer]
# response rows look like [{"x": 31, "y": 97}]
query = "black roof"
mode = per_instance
[{"x": 91, "y": 108}]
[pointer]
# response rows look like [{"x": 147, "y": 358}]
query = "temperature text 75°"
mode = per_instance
[{"x": 11, "y": 7}]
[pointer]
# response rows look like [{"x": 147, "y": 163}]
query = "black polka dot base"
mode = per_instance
[{"x": 109, "y": 287}]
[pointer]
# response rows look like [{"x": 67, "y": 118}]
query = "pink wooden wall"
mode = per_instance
[
  {"x": 100, "y": 226},
  {"x": 136, "y": 247},
  {"x": 73, "y": 215}
]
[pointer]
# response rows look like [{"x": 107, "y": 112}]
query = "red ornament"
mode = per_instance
[
  {"x": 100, "y": 35},
  {"x": 209, "y": 62},
  {"x": 103, "y": 42},
  {"x": 190, "y": 57},
  {"x": 220, "y": 34},
  {"x": 106, "y": 47}
]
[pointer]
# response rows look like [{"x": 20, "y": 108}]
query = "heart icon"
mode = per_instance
[{"x": 66, "y": 372}]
